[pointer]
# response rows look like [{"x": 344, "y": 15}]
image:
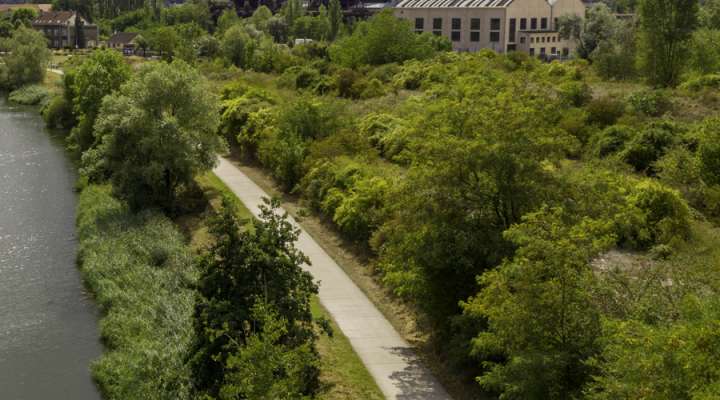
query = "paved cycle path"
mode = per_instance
[{"x": 389, "y": 359}]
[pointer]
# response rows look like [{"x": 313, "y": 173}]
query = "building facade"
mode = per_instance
[
  {"x": 61, "y": 30},
  {"x": 502, "y": 25}
]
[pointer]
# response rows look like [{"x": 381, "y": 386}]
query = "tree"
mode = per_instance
[
  {"x": 335, "y": 15},
  {"x": 27, "y": 58},
  {"x": 237, "y": 46},
  {"x": 614, "y": 57},
  {"x": 666, "y": 27},
  {"x": 80, "y": 42},
  {"x": 246, "y": 271},
  {"x": 705, "y": 51},
  {"x": 709, "y": 15},
  {"x": 23, "y": 16},
  {"x": 99, "y": 75},
  {"x": 600, "y": 25},
  {"x": 540, "y": 316},
  {"x": 708, "y": 153},
  {"x": 157, "y": 133},
  {"x": 380, "y": 40}
]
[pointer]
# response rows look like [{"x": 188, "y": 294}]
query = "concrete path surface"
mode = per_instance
[{"x": 389, "y": 359}]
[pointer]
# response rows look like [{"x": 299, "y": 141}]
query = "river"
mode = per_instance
[{"x": 48, "y": 323}]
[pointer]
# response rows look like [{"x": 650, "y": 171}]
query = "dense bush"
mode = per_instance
[
  {"x": 138, "y": 269},
  {"x": 25, "y": 60},
  {"x": 653, "y": 103},
  {"x": 612, "y": 139},
  {"x": 57, "y": 113},
  {"x": 380, "y": 40},
  {"x": 605, "y": 111},
  {"x": 698, "y": 83},
  {"x": 657, "y": 215},
  {"x": 649, "y": 144},
  {"x": 29, "y": 95},
  {"x": 575, "y": 93}
]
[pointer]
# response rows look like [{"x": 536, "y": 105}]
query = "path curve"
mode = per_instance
[{"x": 389, "y": 359}]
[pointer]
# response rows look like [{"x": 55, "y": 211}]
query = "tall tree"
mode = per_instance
[
  {"x": 100, "y": 74},
  {"x": 666, "y": 27},
  {"x": 26, "y": 59},
  {"x": 540, "y": 315},
  {"x": 336, "y": 18},
  {"x": 157, "y": 133},
  {"x": 243, "y": 270}
]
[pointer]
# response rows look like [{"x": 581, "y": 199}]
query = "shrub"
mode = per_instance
[
  {"x": 652, "y": 103},
  {"x": 657, "y": 215},
  {"x": 574, "y": 122},
  {"x": 57, "y": 113},
  {"x": 701, "y": 82},
  {"x": 574, "y": 93},
  {"x": 361, "y": 211},
  {"x": 605, "y": 111},
  {"x": 284, "y": 156},
  {"x": 29, "y": 95},
  {"x": 346, "y": 83},
  {"x": 649, "y": 145},
  {"x": 612, "y": 139}
]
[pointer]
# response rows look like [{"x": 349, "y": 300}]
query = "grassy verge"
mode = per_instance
[
  {"x": 342, "y": 374},
  {"x": 138, "y": 267}
]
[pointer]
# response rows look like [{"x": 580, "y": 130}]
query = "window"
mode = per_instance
[
  {"x": 437, "y": 23},
  {"x": 543, "y": 23},
  {"x": 511, "y": 47},
  {"x": 437, "y": 26},
  {"x": 542, "y": 39},
  {"x": 419, "y": 24},
  {"x": 455, "y": 36},
  {"x": 512, "y": 30},
  {"x": 495, "y": 29},
  {"x": 523, "y": 24},
  {"x": 566, "y": 51},
  {"x": 542, "y": 51},
  {"x": 555, "y": 23},
  {"x": 532, "y": 39},
  {"x": 522, "y": 39},
  {"x": 474, "y": 24},
  {"x": 553, "y": 50},
  {"x": 475, "y": 36},
  {"x": 533, "y": 24},
  {"x": 456, "y": 24},
  {"x": 532, "y": 51}
]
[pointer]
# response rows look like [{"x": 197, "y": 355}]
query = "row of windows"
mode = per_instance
[
  {"x": 553, "y": 51},
  {"x": 543, "y": 39},
  {"x": 456, "y": 27}
]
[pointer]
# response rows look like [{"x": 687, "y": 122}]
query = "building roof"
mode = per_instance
[
  {"x": 122, "y": 38},
  {"x": 36, "y": 7},
  {"x": 54, "y": 17},
  {"x": 454, "y": 3}
]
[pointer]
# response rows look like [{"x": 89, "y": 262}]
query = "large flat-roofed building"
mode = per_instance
[{"x": 501, "y": 25}]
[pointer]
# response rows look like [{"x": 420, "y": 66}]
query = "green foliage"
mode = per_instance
[
  {"x": 157, "y": 133},
  {"x": 254, "y": 305},
  {"x": 649, "y": 145},
  {"x": 614, "y": 57},
  {"x": 612, "y": 140},
  {"x": 575, "y": 93},
  {"x": 663, "y": 46},
  {"x": 600, "y": 26},
  {"x": 695, "y": 84},
  {"x": 57, "y": 113},
  {"x": 673, "y": 361},
  {"x": 653, "y": 103},
  {"x": 709, "y": 152},
  {"x": 99, "y": 75},
  {"x": 705, "y": 51},
  {"x": 237, "y": 46},
  {"x": 26, "y": 59},
  {"x": 138, "y": 269},
  {"x": 539, "y": 309},
  {"x": 656, "y": 215},
  {"x": 29, "y": 95},
  {"x": 335, "y": 16},
  {"x": 380, "y": 40},
  {"x": 605, "y": 111}
]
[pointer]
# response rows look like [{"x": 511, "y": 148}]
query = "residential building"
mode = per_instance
[
  {"x": 123, "y": 41},
  {"x": 502, "y": 25},
  {"x": 60, "y": 29}
]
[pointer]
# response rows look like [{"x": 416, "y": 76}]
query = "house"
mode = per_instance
[
  {"x": 61, "y": 28},
  {"x": 502, "y": 25},
  {"x": 123, "y": 41}
]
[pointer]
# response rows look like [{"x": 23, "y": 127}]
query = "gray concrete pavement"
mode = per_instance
[{"x": 389, "y": 359}]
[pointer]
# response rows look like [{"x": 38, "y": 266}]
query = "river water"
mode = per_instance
[{"x": 48, "y": 323}]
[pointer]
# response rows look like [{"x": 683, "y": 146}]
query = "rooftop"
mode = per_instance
[
  {"x": 122, "y": 38},
  {"x": 54, "y": 17},
  {"x": 454, "y": 3}
]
